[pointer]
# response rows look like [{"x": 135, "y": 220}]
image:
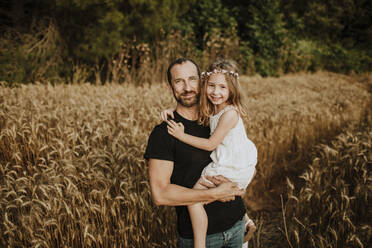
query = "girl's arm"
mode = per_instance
[
  {"x": 226, "y": 122},
  {"x": 165, "y": 113}
]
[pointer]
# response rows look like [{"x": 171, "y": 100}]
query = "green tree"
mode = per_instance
[
  {"x": 345, "y": 21},
  {"x": 261, "y": 24},
  {"x": 108, "y": 24},
  {"x": 205, "y": 17}
]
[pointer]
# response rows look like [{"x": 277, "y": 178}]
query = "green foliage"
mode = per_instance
[
  {"x": 268, "y": 37},
  {"x": 339, "y": 59},
  {"x": 261, "y": 25},
  {"x": 266, "y": 31},
  {"x": 11, "y": 69},
  {"x": 205, "y": 17},
  {"x": 345, "y": 21},
  {"x": 98, "y": 34},
  {"x": 108, "y": 24},
  {"x": 308, "y": 55},
  {"x": 246, "y": 58},
  {"x": 301, "y": 55},
  {"x": 31, "y": 57}
]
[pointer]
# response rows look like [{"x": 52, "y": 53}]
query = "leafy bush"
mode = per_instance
[
  {"x": 31, "y": 57},
  {"x": 339, "y": 59}
]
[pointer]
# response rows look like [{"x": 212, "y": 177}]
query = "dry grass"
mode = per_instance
[
  {"x": 333, "y": 208},
  {"x": 71, "y": 166},
  {"x": 289, "y": 114}
]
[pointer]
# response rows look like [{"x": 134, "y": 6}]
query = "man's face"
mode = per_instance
[{"x": 185, "y": 84}]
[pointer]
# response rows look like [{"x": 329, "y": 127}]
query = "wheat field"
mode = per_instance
[
  {"x": 72, "y": 172},
  {"x": 333, "y": 208}
]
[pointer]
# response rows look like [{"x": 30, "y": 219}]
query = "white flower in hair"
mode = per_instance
[{"x": 216, "y": 71}]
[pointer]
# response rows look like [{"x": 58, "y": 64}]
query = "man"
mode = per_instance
[{"x": 174, "y": 168}]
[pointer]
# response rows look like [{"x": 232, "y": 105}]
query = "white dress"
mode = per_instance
[{"x": 236, "y": 157}]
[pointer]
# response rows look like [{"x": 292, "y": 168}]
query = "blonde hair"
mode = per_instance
[{"x": 230, "y": 71}]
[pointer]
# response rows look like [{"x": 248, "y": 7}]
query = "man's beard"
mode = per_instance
[{"x": 190, "y": 102}]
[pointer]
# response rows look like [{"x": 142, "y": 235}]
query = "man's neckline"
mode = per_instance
[{"x": 183, "y": 118}]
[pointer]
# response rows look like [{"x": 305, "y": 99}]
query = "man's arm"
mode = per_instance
[{"x": 165, "y": 193}]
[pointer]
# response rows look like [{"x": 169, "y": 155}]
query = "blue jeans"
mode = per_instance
[{"x": 231, "y": 238}]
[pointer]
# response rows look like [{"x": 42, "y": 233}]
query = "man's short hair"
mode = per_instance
[{"x": 180, "y": 61}]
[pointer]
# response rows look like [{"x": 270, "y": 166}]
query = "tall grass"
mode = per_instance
[
  {"x": 289, "y": 114},
  {"x": 330, "y": 206},
  {"x": 333, "y": 208},
  {"x": 71, "y": 166}
]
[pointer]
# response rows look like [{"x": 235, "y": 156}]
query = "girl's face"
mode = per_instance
[{"x": 218, "y": 90}]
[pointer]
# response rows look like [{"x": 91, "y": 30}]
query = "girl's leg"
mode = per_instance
[
  {"x": 250, "y": 228},
  {"x": 199, "y": 220}
]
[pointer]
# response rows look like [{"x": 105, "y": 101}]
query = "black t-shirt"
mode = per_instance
[{"x": 188, "y": 165}]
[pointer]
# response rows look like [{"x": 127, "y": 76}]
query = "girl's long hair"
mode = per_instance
[{"x": 236, "y": 95}]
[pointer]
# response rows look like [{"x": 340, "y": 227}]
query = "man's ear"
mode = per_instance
[{"x": 169, "y": 88}]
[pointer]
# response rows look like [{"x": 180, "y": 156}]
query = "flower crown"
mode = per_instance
[{"x": 223, "y": 71}]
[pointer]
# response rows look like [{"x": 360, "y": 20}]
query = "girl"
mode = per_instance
[{"x": 234, "y": 156}]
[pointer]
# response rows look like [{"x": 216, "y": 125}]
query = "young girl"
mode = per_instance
[{"x": 234, "y": 156}]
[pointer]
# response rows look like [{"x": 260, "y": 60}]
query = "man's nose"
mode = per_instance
[{"x": 187, "y": 86}]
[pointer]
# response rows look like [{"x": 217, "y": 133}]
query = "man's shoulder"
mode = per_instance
[
  {"x": 160, "y": 129},
  {"x": 160, "y": 144},
  {"x": 160, "y": 134}
]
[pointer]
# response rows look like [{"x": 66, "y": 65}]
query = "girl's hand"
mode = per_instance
[
  {"x": 165, "y": 113},
  {"x": 177, "y": 130}
]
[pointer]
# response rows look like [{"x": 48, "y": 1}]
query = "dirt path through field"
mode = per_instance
[{"x": 267, "y": 211}]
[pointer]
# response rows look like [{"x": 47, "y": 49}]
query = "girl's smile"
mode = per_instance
[{"x": 218, "y": 91}]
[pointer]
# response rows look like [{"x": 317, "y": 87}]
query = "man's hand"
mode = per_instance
[{"x": 224, "y": 189}]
